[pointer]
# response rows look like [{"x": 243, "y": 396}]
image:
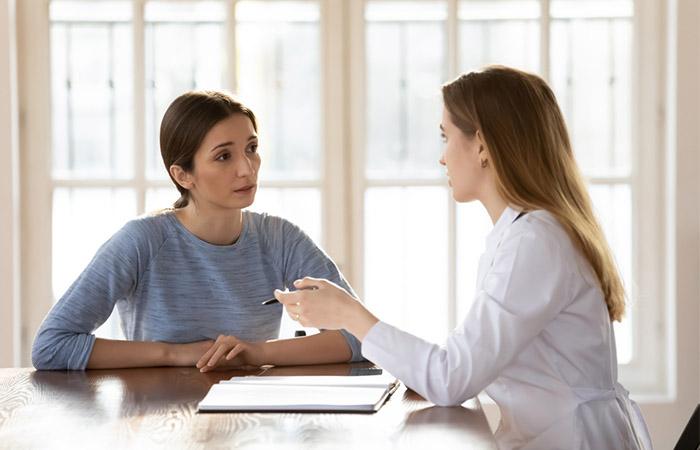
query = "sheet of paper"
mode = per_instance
[{"x": 384, "y": 380}]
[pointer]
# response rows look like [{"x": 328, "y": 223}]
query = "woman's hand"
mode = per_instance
[
  {"x": 186, "y": 354},
  {"x": 323, "y": 304},
  {"x": 229, "y": 351}
]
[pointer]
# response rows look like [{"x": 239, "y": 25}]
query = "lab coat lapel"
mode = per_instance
[{"x": 492, "y": 242}]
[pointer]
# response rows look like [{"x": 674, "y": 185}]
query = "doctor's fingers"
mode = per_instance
[
  {"x": 293, "y": 309},
  {"x": 311, "y": 283},
  {"x": 301, "y": 315},
  {"x": 289, "y": 298}
]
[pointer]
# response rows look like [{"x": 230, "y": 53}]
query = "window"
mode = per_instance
[
  {"x": 92, "y": 96},
  {"x": 348, "y": 100},
  {"x": 406, "y": 204},
  {"x": 405, "y": 198},
  {"x": 107, "y": 169},
  {"x": 278, "y": 74}
]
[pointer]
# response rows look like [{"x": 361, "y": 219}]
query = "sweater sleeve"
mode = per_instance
[
  {"x": 65, "y": 338},
  {"x": 300, "y": 257}
]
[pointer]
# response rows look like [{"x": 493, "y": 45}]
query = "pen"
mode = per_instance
[{"x": 272, "y": 301}]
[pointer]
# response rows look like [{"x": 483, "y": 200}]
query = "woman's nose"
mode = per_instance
[{"x": 245, "y": 167}]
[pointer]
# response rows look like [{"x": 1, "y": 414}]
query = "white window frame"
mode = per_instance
[
  {"x": 10, "y": 306},
  {"x": 646, "y": 373},
  {"x": 343, "y": 182},
  {"x": 35, "y": 100}
]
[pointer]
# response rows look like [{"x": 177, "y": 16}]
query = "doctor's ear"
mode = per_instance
[
  {"x": 483, "y": 153},
  {"x": 181, "y": 176},
  {"x": 480, "y": 140}
]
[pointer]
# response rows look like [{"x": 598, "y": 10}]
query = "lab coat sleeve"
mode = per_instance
[{"x": 525, "y": 288}]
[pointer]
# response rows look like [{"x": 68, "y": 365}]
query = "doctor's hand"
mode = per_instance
[
  {"x": 323, "y": 304},
  {"x": 229, "y": 352}
]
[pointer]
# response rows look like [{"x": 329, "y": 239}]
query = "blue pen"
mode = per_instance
[{"x": 272, "y": 301}]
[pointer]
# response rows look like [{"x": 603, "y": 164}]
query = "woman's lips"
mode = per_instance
[{"x": 245, "y": 189}]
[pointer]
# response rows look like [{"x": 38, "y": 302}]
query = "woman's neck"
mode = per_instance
[
  {"x": 222, "y": 227},
  {"x": 494, "y": 204}
]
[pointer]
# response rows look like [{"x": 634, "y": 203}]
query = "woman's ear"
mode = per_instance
[
  {"x": 483, "y": 153},
  {"x": 480, "y": 140},
  {"x": 181, "y": 176}
]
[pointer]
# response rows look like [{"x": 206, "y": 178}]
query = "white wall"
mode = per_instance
[{"x": 9, "y": 190}]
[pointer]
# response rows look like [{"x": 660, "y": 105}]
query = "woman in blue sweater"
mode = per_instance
[{"x": 187, "y": 276}]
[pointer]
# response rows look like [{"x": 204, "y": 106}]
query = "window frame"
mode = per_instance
[
  {"x": 645, "y": 374},
  {"x": 342, "y": 180}
]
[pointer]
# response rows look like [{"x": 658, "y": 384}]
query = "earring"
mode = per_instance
[{"x": 484, "y": 163}]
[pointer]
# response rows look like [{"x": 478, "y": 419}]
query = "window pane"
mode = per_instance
[
  {"x": 499, "y": 32},
  {"x": 613, "y": 204},
  {"x": 301, "y": 206},
  {"x": 591, "y": 56},
  {"x": 161, "y": 198},
  {"x": 185, "y": 50},
  {"x": 92, "y": 92},
  {"x": 406, "y": 64},
  {"x": 279, "y": 76},
  {"x": 473, "y": 225},
  {"x": 83, "y": 220},
  {"x": 406, "y": 258}
]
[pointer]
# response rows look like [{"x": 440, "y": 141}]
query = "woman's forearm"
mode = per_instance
[
  {"x": 111, "y": 354},
  {"x": 323, "y": 348}
]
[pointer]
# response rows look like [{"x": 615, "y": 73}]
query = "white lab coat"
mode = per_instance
[{"x": 537, "y": 338}]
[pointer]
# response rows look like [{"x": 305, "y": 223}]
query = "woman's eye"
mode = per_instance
[
  {"x": 443, "y": 137},
  {"x": 253, "y": 148},
  {"x": 223, "y": 157}
]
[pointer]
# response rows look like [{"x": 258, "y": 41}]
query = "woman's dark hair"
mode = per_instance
[{"x": 187, "y": 120}]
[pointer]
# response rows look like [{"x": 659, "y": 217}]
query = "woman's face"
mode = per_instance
[
  {"x": 462, "y": 159},
  {"x": 226, "y": 165}
]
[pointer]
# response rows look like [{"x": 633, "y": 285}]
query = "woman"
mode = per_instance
[
  {"x": 539, "y": 336},
  {"x": 186, "y": 276}
]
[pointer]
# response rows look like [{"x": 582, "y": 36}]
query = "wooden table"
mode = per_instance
[{"x": 157, "y": 407}]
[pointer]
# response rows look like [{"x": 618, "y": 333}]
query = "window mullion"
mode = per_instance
[
  {"x": 545, "y": 23},
  {"x": 112, "y": 99},
  {"x": 452, "y": 39},
  {"x": 139, "y": 91},
  {"x": 230, "y": 46},
  {"x": 357, "y": 99},
  {"x": 69, "y": 98},
  {"x": 335, "y": 188},
  {"x": 452, "y": 71}
]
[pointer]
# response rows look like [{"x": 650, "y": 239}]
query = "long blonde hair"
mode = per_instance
[{"x": 530, "y": 152}]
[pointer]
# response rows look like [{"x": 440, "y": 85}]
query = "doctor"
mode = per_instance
[{"x": 539, "y": 336}]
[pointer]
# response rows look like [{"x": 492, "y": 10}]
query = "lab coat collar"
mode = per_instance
[{"x": 507, "y": 217}]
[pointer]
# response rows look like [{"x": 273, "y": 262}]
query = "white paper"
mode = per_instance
[
  {"x": 329, "y": 393},
  {"x": 384, "y": 380}
]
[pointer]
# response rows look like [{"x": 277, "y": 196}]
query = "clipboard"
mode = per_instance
[{"x": 311, "y": 394}]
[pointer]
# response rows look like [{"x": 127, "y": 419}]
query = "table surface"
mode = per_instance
[{"x": 157, "y": 407}]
